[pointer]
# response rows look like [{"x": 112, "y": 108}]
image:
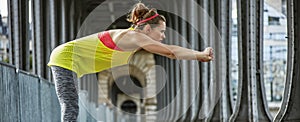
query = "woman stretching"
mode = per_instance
[{"x": 112, "y": 48}]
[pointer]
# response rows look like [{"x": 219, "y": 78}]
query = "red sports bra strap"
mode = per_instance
[{"x": 106, "y": 39}]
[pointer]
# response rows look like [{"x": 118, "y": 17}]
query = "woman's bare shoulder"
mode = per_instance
[{"x": 123, "y": 38}]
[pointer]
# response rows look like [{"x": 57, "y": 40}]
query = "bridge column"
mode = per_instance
[
  {"x": 222, "y": 17},
  {"x": 184, "y": 69},
  {"x": 19, "y": 33},
  {"x": 39, "y": 37},
  {"x": 204, "y": 67},
  {"x": 251, "y": 103},
  {"x": 194, "y": 74},
  {"x": 175, "y": 68},
  {"x": 289, "y": 111}
]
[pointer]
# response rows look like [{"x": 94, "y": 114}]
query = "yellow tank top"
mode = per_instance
[{"x": 89, "y": 55}]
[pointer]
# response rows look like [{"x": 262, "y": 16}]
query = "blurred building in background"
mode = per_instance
[{"x": 4, "y": 43}]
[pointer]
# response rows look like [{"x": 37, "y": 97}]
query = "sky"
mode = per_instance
[
  {"x": 4, "y": 10},
  {"x": 3, "y": 7}
]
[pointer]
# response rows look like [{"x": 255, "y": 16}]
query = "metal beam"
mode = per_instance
[
  {"x": 64, "y": 21},
  {"x": 250, "y": 102},
  {"x": 226, "y": 35},
  {"x": 19, "y": 31},
  {"x": 204, "y": 67},
  {"x": 193, "y": 65},
  {"x": 38, "y": 38},
  {"x": 177, "y": 80},
  {"x": 222, "y": 17},
  {"x": 172, "y": 68},
  {"x": 290, "y": 107},
  {"x": 212, "y": 41},
  {"x": 184, "y": 88},
  {"x": 262, "y": 106}
]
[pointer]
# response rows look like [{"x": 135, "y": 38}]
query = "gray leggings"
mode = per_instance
[{"x": 67, "y": 93}]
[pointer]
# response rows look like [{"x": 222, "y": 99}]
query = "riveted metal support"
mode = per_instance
[
  {"x": 222, "y": 18},
  {"x": 19, "y": 34},
  {"x": 250, "y": 104},
  {"x": 289, "y": 111},
  {"x": 193, "y": 43},
  {"x": 204, "y": 67}
]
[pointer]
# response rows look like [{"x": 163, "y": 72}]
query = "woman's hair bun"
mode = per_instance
[{"x": 137, "y": 13}]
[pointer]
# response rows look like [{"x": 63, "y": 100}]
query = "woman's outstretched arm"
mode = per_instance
[{"x": 172, "y": 51}]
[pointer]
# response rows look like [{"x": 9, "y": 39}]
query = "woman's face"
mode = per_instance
[{"x": 158, "y": 33}]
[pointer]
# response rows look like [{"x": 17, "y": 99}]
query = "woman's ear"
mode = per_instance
[{"x": 147, "y": 28}]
